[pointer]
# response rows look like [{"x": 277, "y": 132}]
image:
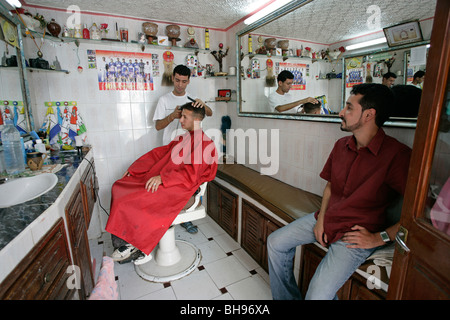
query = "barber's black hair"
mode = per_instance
[
  {"x": 419, "y": 74},
  {"x": 375, "y": 96},
  {"x": 182, "y": 70},
  {"x": 389, "y": 75},
  {"x": 198, "y": 112},
  {"x": 284, "y": 75}
]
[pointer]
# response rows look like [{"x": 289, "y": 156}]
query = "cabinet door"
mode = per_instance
[
  {"x": 42, "y": 275},
  {"x": 79, "y": 242},
  {"x": 228, "y": 212},
  {"x": 213, "y": 201},
  {"x": 252, "y": 231},
  {"x": 270, "y": 227},
  {"x": 88, "y": 184}
]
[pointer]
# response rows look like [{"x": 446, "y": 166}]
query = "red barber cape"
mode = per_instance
[{"x": 141, "y": 217}]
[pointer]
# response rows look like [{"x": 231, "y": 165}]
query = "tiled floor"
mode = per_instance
[{"x": 226, "y": 271}]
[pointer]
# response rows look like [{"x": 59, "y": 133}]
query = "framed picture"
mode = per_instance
[{"x": 404, "y": 33}]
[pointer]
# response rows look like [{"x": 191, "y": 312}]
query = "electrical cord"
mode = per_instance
[{"x": 96, "y": 189}]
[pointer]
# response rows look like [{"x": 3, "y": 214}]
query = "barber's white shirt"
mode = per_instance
[
  {"x": 166, "y": 105},
  {"x": 276, "y": 99}
]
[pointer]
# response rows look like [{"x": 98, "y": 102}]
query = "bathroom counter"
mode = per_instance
[
  {"x": 13, "y": 220},
  {"x": 23, "y": 225}
]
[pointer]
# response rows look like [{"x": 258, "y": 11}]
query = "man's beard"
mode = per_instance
[{"x": 352, "y": 127}]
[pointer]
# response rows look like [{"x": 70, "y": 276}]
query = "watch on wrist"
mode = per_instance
[{"x": 384, "y": 236}]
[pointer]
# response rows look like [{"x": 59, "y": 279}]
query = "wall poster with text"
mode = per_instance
[
  {"x": 299, "y": 70},
  {"x": 124, "y": 70}
]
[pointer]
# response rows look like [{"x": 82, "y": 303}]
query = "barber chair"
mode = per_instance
[{"x": 175, "y": 259}]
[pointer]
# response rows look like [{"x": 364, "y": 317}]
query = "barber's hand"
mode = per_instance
[
  {"x": 361, "y": 238},
  {"x": 176, "y": 114},
  {"x": 312, "y": 100},
  {"x": 126, "y": 174},
  {"x": 198, "y": 103},
  {"x": 153, "y": 184}
]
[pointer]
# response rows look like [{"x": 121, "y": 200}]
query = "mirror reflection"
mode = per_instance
[
  {"x": 12, "y": 104},
  {"x": 310, "y": 56}
]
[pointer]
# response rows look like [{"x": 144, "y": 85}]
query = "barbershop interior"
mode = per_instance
[{"x": 81, "y": 83}]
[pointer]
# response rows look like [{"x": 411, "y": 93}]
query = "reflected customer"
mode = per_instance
[
  {"x": 281, "y": 99},
  {"x": 389, "y": 79},
  {"x": 418, "y": 79},
  {"x": 311, "y": 108}
]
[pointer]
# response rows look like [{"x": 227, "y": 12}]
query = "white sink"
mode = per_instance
[{"x": 24, "y": 189}]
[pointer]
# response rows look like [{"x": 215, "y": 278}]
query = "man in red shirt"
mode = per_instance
[{"x": 365, "y": 173}]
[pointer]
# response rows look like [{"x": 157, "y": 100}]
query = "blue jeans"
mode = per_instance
[{"x": 335, "y": 268}]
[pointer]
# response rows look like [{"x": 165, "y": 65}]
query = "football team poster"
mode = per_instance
[{"x": 124, "y": 70}]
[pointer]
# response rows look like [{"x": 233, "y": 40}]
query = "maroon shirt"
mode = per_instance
[{"x": 363, "y": 183}]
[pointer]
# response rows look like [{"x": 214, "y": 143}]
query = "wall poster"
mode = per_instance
[
  {"x": 354, "y": 71},
  {"x": 124, "y": 70},
  {"x": 299, "y": 70}
]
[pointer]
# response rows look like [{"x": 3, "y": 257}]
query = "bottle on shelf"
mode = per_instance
[
  {"x": 12, "y": 149},
  {"x": 86, "y": 34},
  {"x": 206, "y": 39}
]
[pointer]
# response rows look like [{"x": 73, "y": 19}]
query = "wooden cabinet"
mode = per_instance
[
  {"x": 222, "y": 207},
  {"x": 75, "y": 216},
  {"x": 42, "y": 275},
  {"x": 89, "y": 186},
  {"x": 354, "y": 289},
  {"x": 256, "y": 227}
]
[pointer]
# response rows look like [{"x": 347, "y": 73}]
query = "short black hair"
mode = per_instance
[
  {"x": 198, "y": 112},
  {"x": 182, "y": 70},
  {"x": 309, "y": 106},
  {"x": 375, "y": 96},
  {"x": 419, "y": 74},
  {"x": 284, "y": 75},
  {"x": 389, "y": 75},
  {"x": 407, "y": 101}
]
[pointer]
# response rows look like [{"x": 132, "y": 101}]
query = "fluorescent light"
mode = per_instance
[
  {"x": 266, "y": 11},
  {"x": 14, "y": 3},
  {"x": 366, "y": 44}
]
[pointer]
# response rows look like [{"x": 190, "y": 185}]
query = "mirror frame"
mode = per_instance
[
  {"x": 21, "y": 64},
  {"x": 396, "y": 122}
]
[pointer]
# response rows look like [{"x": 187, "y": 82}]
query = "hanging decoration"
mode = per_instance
[
  {"x": 17, "y": 114},
  {"x": 63, "y": 126},
  {"x": 168, "y": 67},
  {"x": 270, "y": 77}
]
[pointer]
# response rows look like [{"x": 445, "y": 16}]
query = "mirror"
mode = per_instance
[
  {"x": 14, "y": 96},
  {"x": 310, "y": 39}
]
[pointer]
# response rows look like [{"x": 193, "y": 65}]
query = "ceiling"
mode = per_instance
[
  {"x": 322, "y": 21},
  {"x": 331, "y": 21},
  {"x": 207, "y": 13}
]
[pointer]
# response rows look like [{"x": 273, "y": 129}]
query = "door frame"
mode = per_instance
[{"x": 431, "y": 108}]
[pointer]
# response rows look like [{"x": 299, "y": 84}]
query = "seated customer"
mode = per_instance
[
  {"x": 365, "y": 173},
  {"x": 157, "y": 186}
]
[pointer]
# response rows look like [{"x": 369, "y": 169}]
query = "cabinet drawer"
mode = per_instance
[{"x": 41, "y": 275}]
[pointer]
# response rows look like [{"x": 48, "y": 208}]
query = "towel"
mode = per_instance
[{"x": 106, "y": 286}]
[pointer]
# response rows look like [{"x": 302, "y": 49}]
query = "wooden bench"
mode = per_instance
[{"x": 268, "y": 204}]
